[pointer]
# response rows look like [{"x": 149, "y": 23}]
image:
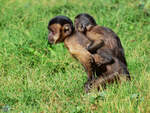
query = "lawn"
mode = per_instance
[{"x": 38, "y": 78}]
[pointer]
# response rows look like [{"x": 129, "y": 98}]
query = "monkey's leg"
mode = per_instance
[
  {"x": 124, "y": 71},
  {"x": 88, "y": 63},
  {"x": 100, "y": 82},
  {"x": 86, "y": 59},
  {"x": 101, "y": 60},
  {"x": 93, "y": 46},
  {"x": 103, "y": 57}
]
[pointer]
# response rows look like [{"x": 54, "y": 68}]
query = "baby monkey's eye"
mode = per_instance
[{"x": 82, "y": 26}]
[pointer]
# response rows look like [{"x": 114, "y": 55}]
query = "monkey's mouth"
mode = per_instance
[
  {"x": 81, "y": 29},
  {"x": 50, "y": 40}
]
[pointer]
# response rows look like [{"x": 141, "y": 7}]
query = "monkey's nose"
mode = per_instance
[{"x": 82, "y": 27}]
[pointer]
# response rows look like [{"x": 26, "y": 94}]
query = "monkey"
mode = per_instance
[
  {"x": 100, "y": 37},
  {"x": 61, "y": 29}
]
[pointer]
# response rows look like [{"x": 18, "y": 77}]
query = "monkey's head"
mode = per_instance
[
  {"x": 83, "y": 22},
  {"x": 59, "y": 28}
]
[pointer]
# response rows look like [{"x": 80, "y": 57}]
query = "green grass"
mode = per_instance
[{"x": 37, "y": 78}]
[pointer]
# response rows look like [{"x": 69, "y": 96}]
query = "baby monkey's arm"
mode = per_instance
[
  {"x": 94, "y": 45},
  {"x": 103, "y": 57},
  {"x": 96, "y": 39}
]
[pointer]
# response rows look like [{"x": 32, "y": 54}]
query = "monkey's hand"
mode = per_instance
[
  {"x": 91, "y": 50},
  {"x": 88, "y": 86},
  {"x": 98, "y": 59}
]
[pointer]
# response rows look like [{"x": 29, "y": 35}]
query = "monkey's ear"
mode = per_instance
[{"x": 67, "y": 29}]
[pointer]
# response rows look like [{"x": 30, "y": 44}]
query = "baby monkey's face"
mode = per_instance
[{"x": 81, "y": 24}]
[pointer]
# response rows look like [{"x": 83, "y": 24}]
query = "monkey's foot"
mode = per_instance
[
  {"x": 98, "y": 60},
  {"x": 88, "y": 86}
]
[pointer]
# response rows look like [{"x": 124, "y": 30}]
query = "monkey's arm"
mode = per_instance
[
  {"x": 82, "y": 55},
  {"x": 93, "y": 46}
]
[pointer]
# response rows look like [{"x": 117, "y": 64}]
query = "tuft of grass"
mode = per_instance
[{"x": 37, "y": 77}]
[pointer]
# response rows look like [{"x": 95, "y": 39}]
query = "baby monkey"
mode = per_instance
[{"x": 100, "y": 37}]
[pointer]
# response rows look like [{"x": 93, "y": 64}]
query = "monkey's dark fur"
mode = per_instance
[
  {"x": 105, "y": 43},
  {"x": 61, "y": 30},
  {"x": 61, "y": 20},
  {"x": 99, "y": 36}
]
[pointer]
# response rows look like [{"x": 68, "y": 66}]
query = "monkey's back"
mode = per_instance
[
  {"x": 111, "y": 40},
  {"x": 77, "y": 41},
  {"x": 75, "y": 44}
]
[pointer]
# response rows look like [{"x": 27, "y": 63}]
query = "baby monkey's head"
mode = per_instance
[{"x": 84, "y": 22}]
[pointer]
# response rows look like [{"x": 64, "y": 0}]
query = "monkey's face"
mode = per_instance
[
  {"x": 58, "y": 32},
  {"x": 83, "y": 22},
  {"x": 60, "y": 27}
]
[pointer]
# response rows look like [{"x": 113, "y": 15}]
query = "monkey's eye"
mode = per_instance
[
  {"x": 51, "y": 31},
  {"x": 66, "y": 29},
  {"x": 81, "y": 25}
]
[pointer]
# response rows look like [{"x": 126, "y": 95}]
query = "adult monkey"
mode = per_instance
[{"x": 61, "y": 30}]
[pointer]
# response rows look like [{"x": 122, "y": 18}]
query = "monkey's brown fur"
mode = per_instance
[
  {"x": 58, "y": 27},
  {"x": 61, "y": 30},
  {"x": 101, "y": 82},
  {"x": 100, "y": 37},
  {"x": 105, "y": 43},
  {"x": 108, "y": 74}
]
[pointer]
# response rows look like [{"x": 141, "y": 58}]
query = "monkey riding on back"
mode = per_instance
[
  {"x": 103, "y": 41},
  {"x": 61, "y": 30}
]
